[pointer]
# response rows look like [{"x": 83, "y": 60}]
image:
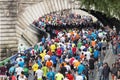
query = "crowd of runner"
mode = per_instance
[
  {"x": 63, "y": 19},
  {"x": 71, "y": 54}
]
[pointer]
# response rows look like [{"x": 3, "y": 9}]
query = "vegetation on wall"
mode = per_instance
[{"x": 109, "y": 7}]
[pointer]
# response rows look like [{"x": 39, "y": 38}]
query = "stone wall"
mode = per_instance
[
  {"x": 8, "y": 18},
  {"x": 16, "y": 17},
  {"x": 9, "y": 29}
]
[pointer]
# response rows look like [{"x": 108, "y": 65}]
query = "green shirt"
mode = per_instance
[
  {"x": 26, "y": 70},
  {"x": 59, "y": 76},
  {"x": 36, "y": 47},
  {"x": 79, "y": 45},
  {"x": 45, "y": 70}
]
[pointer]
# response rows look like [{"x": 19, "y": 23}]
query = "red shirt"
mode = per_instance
[
  {"x": 86, "y": 45},
  {"x": 70, "y": 76},
  {"x": 56, "y": 32},
  {"x": 74, "y": 50},
  {"x": 71, "y": 60},
  {"x": 14, "y": 78},
  {"x": 59, "y": 52},
  {"x": 56, "y": 40}
]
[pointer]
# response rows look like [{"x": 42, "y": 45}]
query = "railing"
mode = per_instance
[{"x": 38, "y": 32}]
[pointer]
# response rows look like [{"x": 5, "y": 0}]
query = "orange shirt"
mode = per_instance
[
  {"x": 82, "y": 56},
  {"x": 76, "y": 64},
  {"x": 63, "y": 63},
  {"x": 72, "y": 33},
  {"x": 49, "y": 64},
  {"x": 73, "y": 38},
  {"x": 93, "y": 43},
  {"x": 49, "y": 52},
  {"x": 77, "y": 36}
]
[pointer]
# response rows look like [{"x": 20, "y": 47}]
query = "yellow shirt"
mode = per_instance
[
  {"x": 59, "y": 76},
  {"x": 43, "y": 55},
  {"x": 35, "y": 67},
  {"x": 73, "y": 45},
  {"x": 53, "y": 47}
]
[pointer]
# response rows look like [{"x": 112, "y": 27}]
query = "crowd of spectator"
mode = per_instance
[{"x": 71, "y": 54}]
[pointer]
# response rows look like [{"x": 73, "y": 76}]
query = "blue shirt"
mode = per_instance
[
  {"x": 61, "y": 60},
  {"x": 23, "y": 57},
  {"x": 100, "y": 44},
  {"x": 43, "y": 40},
  {"x": 40, "y": 49},
  {"x": 96, "y": 54},
  {"x": 81, "y": 68},
  {"x": 77, "y": 57},
  {"x": 51, "y": 75},
  {"x": 94, "y": 35},
  {"x": 39, "y": 63},
  {"x": 70, "y": 52},
  {"x": 12, "y": 69},
  {"x": 54, "y": 59},
  {"x": 21, "y": 64}
]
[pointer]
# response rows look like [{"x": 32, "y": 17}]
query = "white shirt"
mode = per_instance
[
  {"x": 88, "y": 55},
  {"x": 62, "y": 39},
  {"x": 84, "y": 37},
  {"x": 60, "y": 34},
  {"x": 67, "y": 60},
  {"x": 82, "y": 47},
  {"x": 68, "y": 35},
  {"x": 22, "y": 78},
  {"x": 65, "y": 78},
  {"x": 100, "y": 35},
  {"x": 67, "y": 67},
  {"x": 18, "y": 70},
  {"x": 75, "y": 61},
  {"x": 64, "y": 46},
  {"x": 47, "y": 57},
  {"x": 39, "y": 73},
  {"x": 21, "y": 48},
  {"x": 40, "y": 23},
  {"x": 18, "y": 59},
  {"x": 79, "y": 77}
]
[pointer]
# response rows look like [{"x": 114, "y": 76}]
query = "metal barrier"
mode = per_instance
[{"x": 12, "y": 58}]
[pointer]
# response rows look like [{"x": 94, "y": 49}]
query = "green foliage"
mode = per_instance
[{"x": 109, "y": 7}]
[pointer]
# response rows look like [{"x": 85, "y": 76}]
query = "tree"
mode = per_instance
[{"x": 109, "y": 7}]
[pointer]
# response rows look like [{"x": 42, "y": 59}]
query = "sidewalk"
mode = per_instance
[{"x": 110, "y": 59}]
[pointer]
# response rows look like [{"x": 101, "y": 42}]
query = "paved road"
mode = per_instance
[{"x": 109, "y": 58}]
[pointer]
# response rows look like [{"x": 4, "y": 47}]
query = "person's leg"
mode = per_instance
[
  {"x": 17, "y": 77},
  {"x": 93, "y": 75},
  {"x": 43, "y": 78},
  {"x": 107, "y": 78},
  {"x": 101, "y": 77},
  {"x": 104, "y": 78},
  {"x": 118, "y": 51},
  {"x": 112, "y": 77}
]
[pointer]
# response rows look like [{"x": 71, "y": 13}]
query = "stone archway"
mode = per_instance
[
  {"x": 34, "y": 11},
  {"x": 18, "y": 21}
]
